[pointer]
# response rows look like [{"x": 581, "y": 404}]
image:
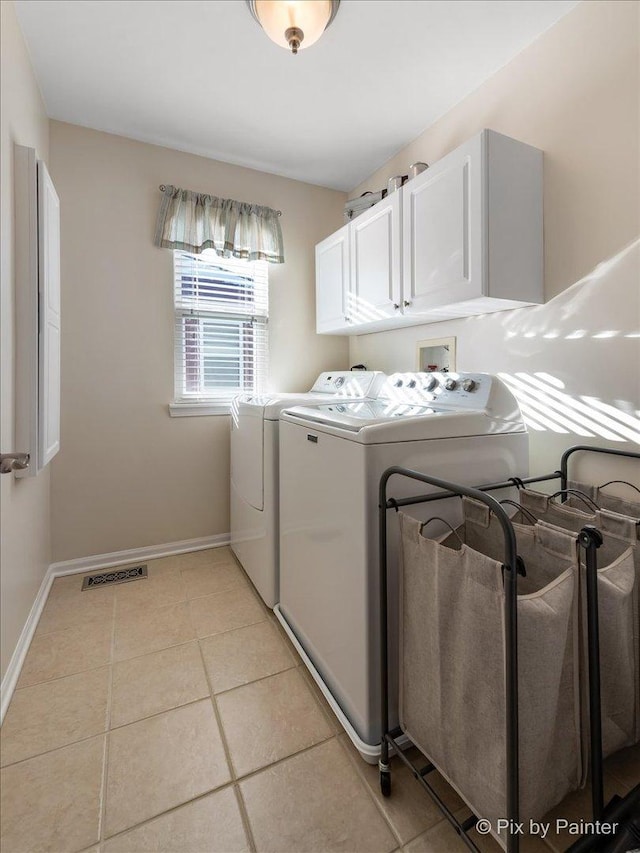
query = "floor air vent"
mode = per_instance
[{"x": 114, "y": 576}]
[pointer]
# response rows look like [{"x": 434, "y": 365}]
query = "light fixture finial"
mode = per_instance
[{"x": 294, "y": 37}]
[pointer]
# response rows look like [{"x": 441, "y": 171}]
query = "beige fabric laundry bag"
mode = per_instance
[
  {"x": 452, "y": 668},
  {"x": 612, "y": 503},
  {"x": 619, "y": 608}
]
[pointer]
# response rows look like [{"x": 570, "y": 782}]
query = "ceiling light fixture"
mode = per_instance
[{"x": 294, "y": 24}]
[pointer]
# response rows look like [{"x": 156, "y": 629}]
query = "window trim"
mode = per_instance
[{"x": 179, "y": 409}]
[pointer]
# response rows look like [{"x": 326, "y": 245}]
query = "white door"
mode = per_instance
[
  {"x": 376, "y": 266},
  {"x": 332, "y": 281},
  {"x": 49, "y": 325},
  {"x": 443, "y": 231}
]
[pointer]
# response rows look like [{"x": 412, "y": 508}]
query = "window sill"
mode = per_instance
[{"x": 191, "y": 410}]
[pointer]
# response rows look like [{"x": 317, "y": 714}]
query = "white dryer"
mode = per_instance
[
  {"x": 254, "y": 469},
  {"x": 462, "y": 427}
]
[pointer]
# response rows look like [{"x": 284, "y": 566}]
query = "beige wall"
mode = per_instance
[
  {"x": 574, "y": 93},
  {"x": 24, "y": 504},
  {"x": 128, "y": 475}
]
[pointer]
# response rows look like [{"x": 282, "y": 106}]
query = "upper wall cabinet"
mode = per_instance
[
  {"x": 37, "y": 212},
  {"x": 462, "y": 238}
]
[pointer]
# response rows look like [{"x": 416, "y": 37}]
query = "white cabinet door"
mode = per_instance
[
  {"x": 376, "y": 266},
  {"x": 332, "y": 281},
  {"x": 49, "y": 310},
  {"x": 443, "y": 231}
]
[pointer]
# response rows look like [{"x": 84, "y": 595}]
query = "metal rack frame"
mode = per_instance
[{"x": 590, "y": 539}]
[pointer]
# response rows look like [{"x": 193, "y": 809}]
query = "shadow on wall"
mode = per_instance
[{"x": 573, "y": 363}]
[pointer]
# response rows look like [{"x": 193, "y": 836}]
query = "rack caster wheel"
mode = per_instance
[{"x": 385, "y": 783}]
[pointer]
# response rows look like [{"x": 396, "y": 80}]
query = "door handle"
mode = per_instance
[{"x": 14, "y": 462}]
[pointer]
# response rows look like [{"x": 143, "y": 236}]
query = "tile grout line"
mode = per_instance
[
  {"x": 228, "y": 631},
  {"x": 238, "y": 791},
  {"x": 244, "y": 816},
  {"x": 53, "y": 594},
  {"x": 278, "y": 761},
  {"x": 61, "y": 677},
  {"x": 378, "y": 805},
  {"x": 168, "y": 811},
  {"x": 57, "y": 678},
  {"x": 253, "y": 680},
  {"x": 227, "y": 751},
  {"x": 327, "y": 713},
  {"x": 102, "y": 733},
  {"x": 105, "y": 769},
  {"x": 232, "y": 783}
]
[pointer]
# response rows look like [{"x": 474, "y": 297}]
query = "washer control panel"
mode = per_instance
[
  {"x": 463, "y": 390},
  {"x": 349, "y": 383}
]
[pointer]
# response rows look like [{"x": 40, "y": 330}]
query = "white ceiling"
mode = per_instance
[{"x": 201, "y": 76}]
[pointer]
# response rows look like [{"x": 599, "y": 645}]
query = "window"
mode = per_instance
[{"x": 221, "y": 315}]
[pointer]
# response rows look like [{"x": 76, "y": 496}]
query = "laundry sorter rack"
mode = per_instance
[{"x": 589, "y": 539}]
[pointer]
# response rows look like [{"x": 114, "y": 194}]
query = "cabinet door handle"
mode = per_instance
[
  {"x": 396, "y": 306},
  {"x": 348, "y": 320},
  {"x": 406, "y": 303}
]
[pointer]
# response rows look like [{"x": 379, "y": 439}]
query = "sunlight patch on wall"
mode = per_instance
[
  {"x": 545, "y": 407},
  {"x": 629, "y": 425},
  {"x": 537, "y": 421},
  {"x": 552, "y": 380},
  {"x": 576, "y": 335}
]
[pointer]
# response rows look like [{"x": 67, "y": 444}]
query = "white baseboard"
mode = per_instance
[
  {"x": 84, "y": 564},
  {"x": 151, "y": 552},
  {"x": 12, "y": 674}
]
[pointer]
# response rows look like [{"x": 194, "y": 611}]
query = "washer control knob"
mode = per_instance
[
  {"x": 430, "y": 384},
  {"x": 450, "y": 384},
  {"x": 339, "y": 382},
  {"x": 469, "y": 385},
  {"x": 411, "y": 383},
  {"x": 398, "y": 383}
]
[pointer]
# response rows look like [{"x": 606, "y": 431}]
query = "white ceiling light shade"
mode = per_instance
[{"x": 294, "y": 24}]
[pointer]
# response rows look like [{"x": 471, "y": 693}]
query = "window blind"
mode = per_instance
[{"x": 221, "y": 323}]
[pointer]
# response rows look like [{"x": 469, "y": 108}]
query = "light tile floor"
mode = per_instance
[{"x": 172, "y": 714}]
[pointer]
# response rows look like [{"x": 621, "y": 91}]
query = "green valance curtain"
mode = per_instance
[{"x": 193, "y": 222}]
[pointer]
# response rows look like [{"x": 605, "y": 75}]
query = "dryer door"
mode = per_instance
[{"x": 247, "y": 454}]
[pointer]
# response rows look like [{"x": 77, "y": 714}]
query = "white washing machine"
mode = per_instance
[
  {"x": 465, "y": 428},
  {"x": 254, "y": 469}
]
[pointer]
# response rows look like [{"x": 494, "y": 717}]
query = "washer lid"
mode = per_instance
[
  {"x": 384, "y": 421},
  {"x": 354, "y": 415}
]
